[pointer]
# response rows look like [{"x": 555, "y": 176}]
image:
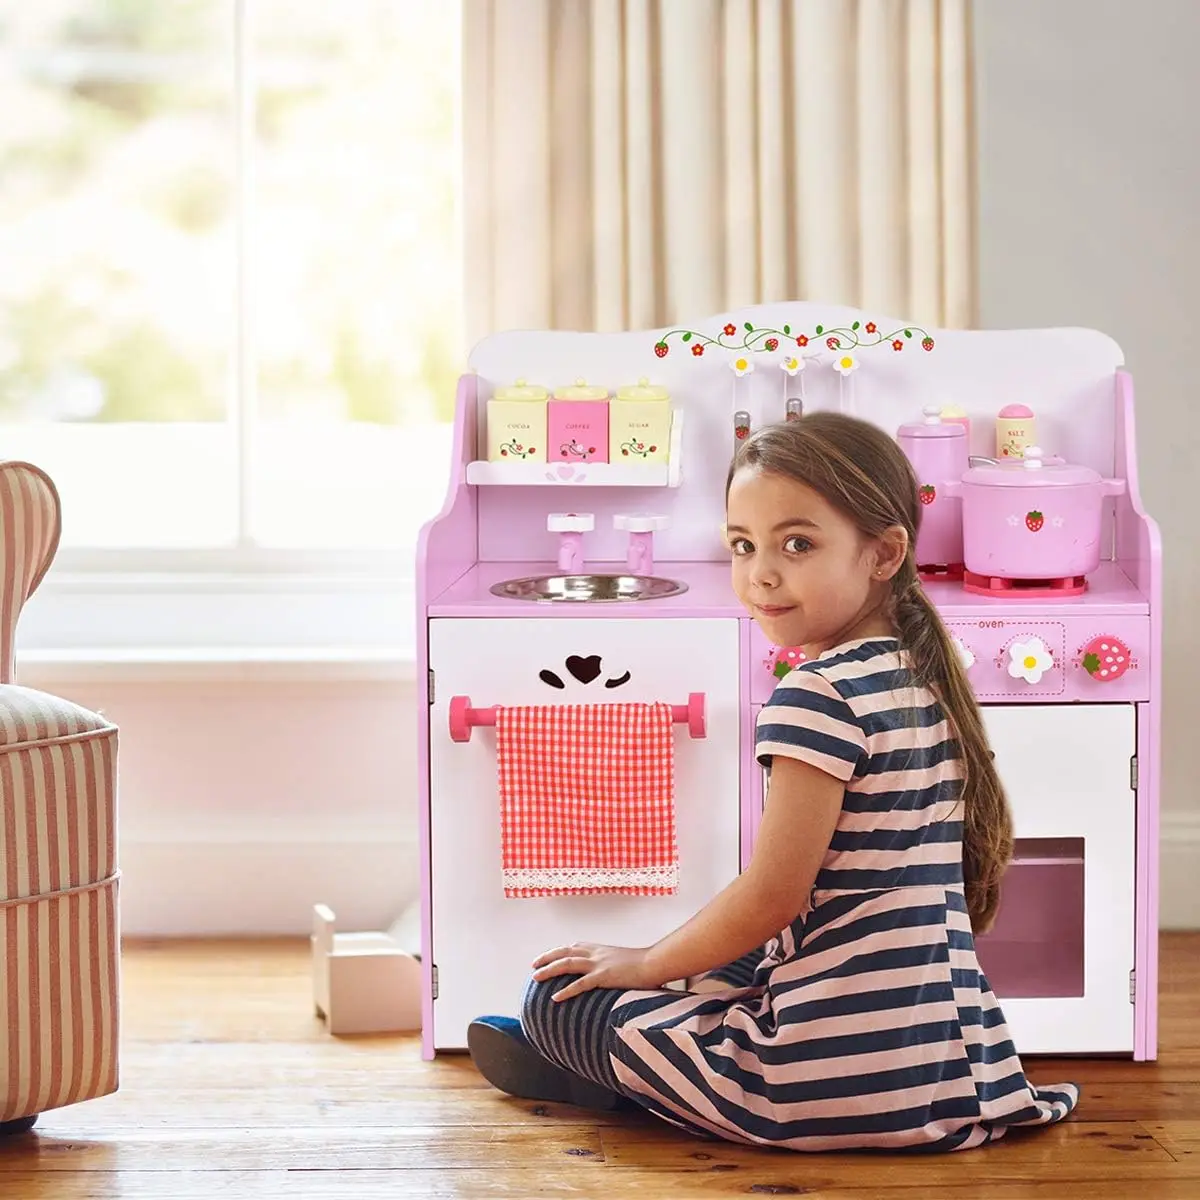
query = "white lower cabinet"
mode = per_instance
[{"x": 483, "y": 943}]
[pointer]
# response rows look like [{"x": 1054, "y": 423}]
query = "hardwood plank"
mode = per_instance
[
  {"x": 342, "y": 1105},
  {"x": 301, "y": 1149},
  {"x": 1070, "y": 1151},
  {"x": 610, "y": 1183}
]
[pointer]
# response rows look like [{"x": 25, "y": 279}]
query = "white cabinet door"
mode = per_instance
[
  {"x": 1066, "y": 769},
  {"x": 483, "y": 943}
]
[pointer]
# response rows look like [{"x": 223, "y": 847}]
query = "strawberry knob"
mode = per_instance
[{"x": 1106, "y": 658}]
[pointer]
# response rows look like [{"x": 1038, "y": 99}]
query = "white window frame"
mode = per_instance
[{"x": 240, "y": 601}]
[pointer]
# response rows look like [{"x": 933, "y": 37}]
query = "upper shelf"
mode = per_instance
[{"x": 552, "y": 474}]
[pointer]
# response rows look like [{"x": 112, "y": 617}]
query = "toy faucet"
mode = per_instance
[
  {"x": 571, "y": 527},
  {"x": 641, "y": 528}
]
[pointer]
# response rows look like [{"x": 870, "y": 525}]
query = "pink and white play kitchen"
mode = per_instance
[{"x": 590, "y": 685}]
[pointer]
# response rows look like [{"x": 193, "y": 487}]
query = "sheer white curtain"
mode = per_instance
[{"x": 632, "y": 162}]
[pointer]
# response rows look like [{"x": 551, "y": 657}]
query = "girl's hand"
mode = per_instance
[{"x": 600, "y": 967}]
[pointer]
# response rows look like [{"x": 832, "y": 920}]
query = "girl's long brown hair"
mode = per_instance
[{"x": 864, "y": 474}]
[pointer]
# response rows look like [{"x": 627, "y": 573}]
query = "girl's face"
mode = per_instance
[{"x": 801, "y": 568}]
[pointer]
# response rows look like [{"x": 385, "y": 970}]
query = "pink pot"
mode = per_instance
[{"x": 1029, "y": 519}]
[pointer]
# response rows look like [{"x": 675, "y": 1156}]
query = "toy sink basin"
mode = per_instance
[{"x": 587, "y": 589}]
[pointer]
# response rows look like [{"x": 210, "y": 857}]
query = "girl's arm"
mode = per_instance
[
  {"x": 801, "y": 813},
  {"x": 803, "y": 803}
]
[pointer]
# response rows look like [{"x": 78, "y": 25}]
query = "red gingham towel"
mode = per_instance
[{"x": 587, "y": 799}]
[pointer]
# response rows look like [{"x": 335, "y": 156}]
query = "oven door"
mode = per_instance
[{"x": 1061, "y": 953}]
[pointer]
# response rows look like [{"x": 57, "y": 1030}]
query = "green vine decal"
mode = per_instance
[{"x": 766, "y": 339}]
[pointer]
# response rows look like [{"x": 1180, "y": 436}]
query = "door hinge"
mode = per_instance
[
  {"x": 1133, "y": 987},
  {"x": 432, "y": 685},
  {"x": 435, "y": 981},
  {"x": 1133, "y": 773}
]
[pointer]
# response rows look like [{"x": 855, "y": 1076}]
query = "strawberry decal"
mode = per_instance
[
  {"x": 660, "y": 348},
  {"x": 772, "y": 344},
  {"x": 1034, "y": 521},
  {"x": 927, "y": 492}
]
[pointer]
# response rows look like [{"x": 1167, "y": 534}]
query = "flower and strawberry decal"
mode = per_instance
[
  {"x": 767, "y": 339},
  {"x": 636, "y": 449},
  {"x": 515, "y": 449}
]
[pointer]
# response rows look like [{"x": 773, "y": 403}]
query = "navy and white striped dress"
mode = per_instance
[{"x": 868, "y": 1022}]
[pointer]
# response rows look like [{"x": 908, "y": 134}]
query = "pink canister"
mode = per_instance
[
  {"x": 1032, "y": 520},
  {"x": 938, "y": 452},
  {"x": 578, "y": 424}
]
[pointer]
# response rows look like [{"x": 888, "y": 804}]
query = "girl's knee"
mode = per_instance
[{"x": 536, "y": 1005}]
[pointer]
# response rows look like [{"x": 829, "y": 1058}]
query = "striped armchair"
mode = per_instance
[{"x": 59, "y": 933}]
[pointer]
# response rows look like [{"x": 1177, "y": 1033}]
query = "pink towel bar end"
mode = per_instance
[{"x": 463, "y": 717}]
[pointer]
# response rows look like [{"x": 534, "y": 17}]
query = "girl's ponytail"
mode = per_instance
[{"x": 987, "y": 822}]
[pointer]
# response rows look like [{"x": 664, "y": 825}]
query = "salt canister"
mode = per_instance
[
  {"x": 516, "y": 423},
  {"x": 578, "y": 424},
  {"x": 639, "y": 423},
  {"x": 1016, "y": 428}
]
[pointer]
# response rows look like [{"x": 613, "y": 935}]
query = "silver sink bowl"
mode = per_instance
[{"x": 588, "y": 589}]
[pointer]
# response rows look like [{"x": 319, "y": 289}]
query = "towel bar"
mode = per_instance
[{"x": 463, "y": 716}]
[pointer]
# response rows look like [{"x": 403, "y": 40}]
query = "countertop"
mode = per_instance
[{"x": 710, "y": 594}]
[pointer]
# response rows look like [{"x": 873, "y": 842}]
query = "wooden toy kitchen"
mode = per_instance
[{"x": 578, "y": 560}]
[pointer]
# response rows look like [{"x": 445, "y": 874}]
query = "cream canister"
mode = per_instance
[
  {"x": 639, "y": 423},
  {"x": 516, "y": 423}
]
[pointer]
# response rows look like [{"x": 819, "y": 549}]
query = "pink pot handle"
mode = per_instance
[{"x": 1112, "y": 487}]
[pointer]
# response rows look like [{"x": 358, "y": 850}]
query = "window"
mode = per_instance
[{"x": 230, "y": 294}]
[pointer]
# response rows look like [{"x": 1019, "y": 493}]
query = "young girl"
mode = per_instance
[{"x": 865, "y": 1019}]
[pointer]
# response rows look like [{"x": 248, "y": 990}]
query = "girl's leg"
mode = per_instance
[
  {"x": 737, "y": 974},
  {"x": 555, "y": 1052}
]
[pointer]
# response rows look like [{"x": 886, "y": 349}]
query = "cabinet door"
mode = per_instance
[
  {"x": 483, "y": 943},
  {"x": 1066, "y": 769}
]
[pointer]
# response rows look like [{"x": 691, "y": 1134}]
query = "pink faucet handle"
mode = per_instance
[
  {"x": 570, "y": 522},
  {"x": 641, "y": 522}
]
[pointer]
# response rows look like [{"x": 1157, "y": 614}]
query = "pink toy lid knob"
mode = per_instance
[
  {"x": 932, "y": 414},
  {"x": 1016, "y": 412}
]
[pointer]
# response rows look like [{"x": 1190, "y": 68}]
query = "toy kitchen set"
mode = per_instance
[{"x": 577, "y": 565}]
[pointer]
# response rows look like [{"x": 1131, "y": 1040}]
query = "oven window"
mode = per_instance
[{"x": 1035, "y": 947}]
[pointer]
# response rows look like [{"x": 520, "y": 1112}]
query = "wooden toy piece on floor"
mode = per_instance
[{"x": 363, "y": 982}]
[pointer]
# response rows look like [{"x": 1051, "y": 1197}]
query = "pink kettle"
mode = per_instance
[{"x": 939, "y": 455}]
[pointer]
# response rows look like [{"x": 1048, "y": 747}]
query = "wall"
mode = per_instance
[
  {"x": 1089, "y": 175},
  {"x": 247, "y": 794}
]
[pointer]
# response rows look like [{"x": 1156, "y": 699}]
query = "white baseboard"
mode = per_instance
[
  {"x": 263, "y": 878},
  {"x": 1179, "y": 902}
]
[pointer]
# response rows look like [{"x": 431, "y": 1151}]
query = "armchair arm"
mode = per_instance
[{"x": 30, "y": 527}]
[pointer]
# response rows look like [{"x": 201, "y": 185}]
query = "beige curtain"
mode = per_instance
[{"x": 628, "y": 163}]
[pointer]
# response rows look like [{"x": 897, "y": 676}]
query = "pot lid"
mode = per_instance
[
  {"x": 642, "y": 390},
  {"x": 581, "y": 391},
  {"x": 520, "y": 391},
  {"x": 932, "y": 426},
  {"x": 1030, "y": 471}
]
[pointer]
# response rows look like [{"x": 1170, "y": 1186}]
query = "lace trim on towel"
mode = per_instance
[{"x": 664, "y": 878}]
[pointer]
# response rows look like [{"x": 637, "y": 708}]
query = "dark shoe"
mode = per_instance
[
  {"x": 507, "y": 1061},
  {"x": 20, "y": 1125}
]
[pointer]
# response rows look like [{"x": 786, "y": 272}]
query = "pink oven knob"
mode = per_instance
[
  {"x": 1029, "y": 659},
  {"x": 1106, "y": 658},
  {"x": 783, "y": 659}
]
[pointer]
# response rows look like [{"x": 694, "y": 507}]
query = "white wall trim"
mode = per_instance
[
  {"x": 1180, "y": 901},
  {"x": 202, "y": 879},
  {"x": 198, "y": 878}
]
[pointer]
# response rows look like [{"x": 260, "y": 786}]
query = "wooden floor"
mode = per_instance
[{"x": 231, "y": 1090}]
